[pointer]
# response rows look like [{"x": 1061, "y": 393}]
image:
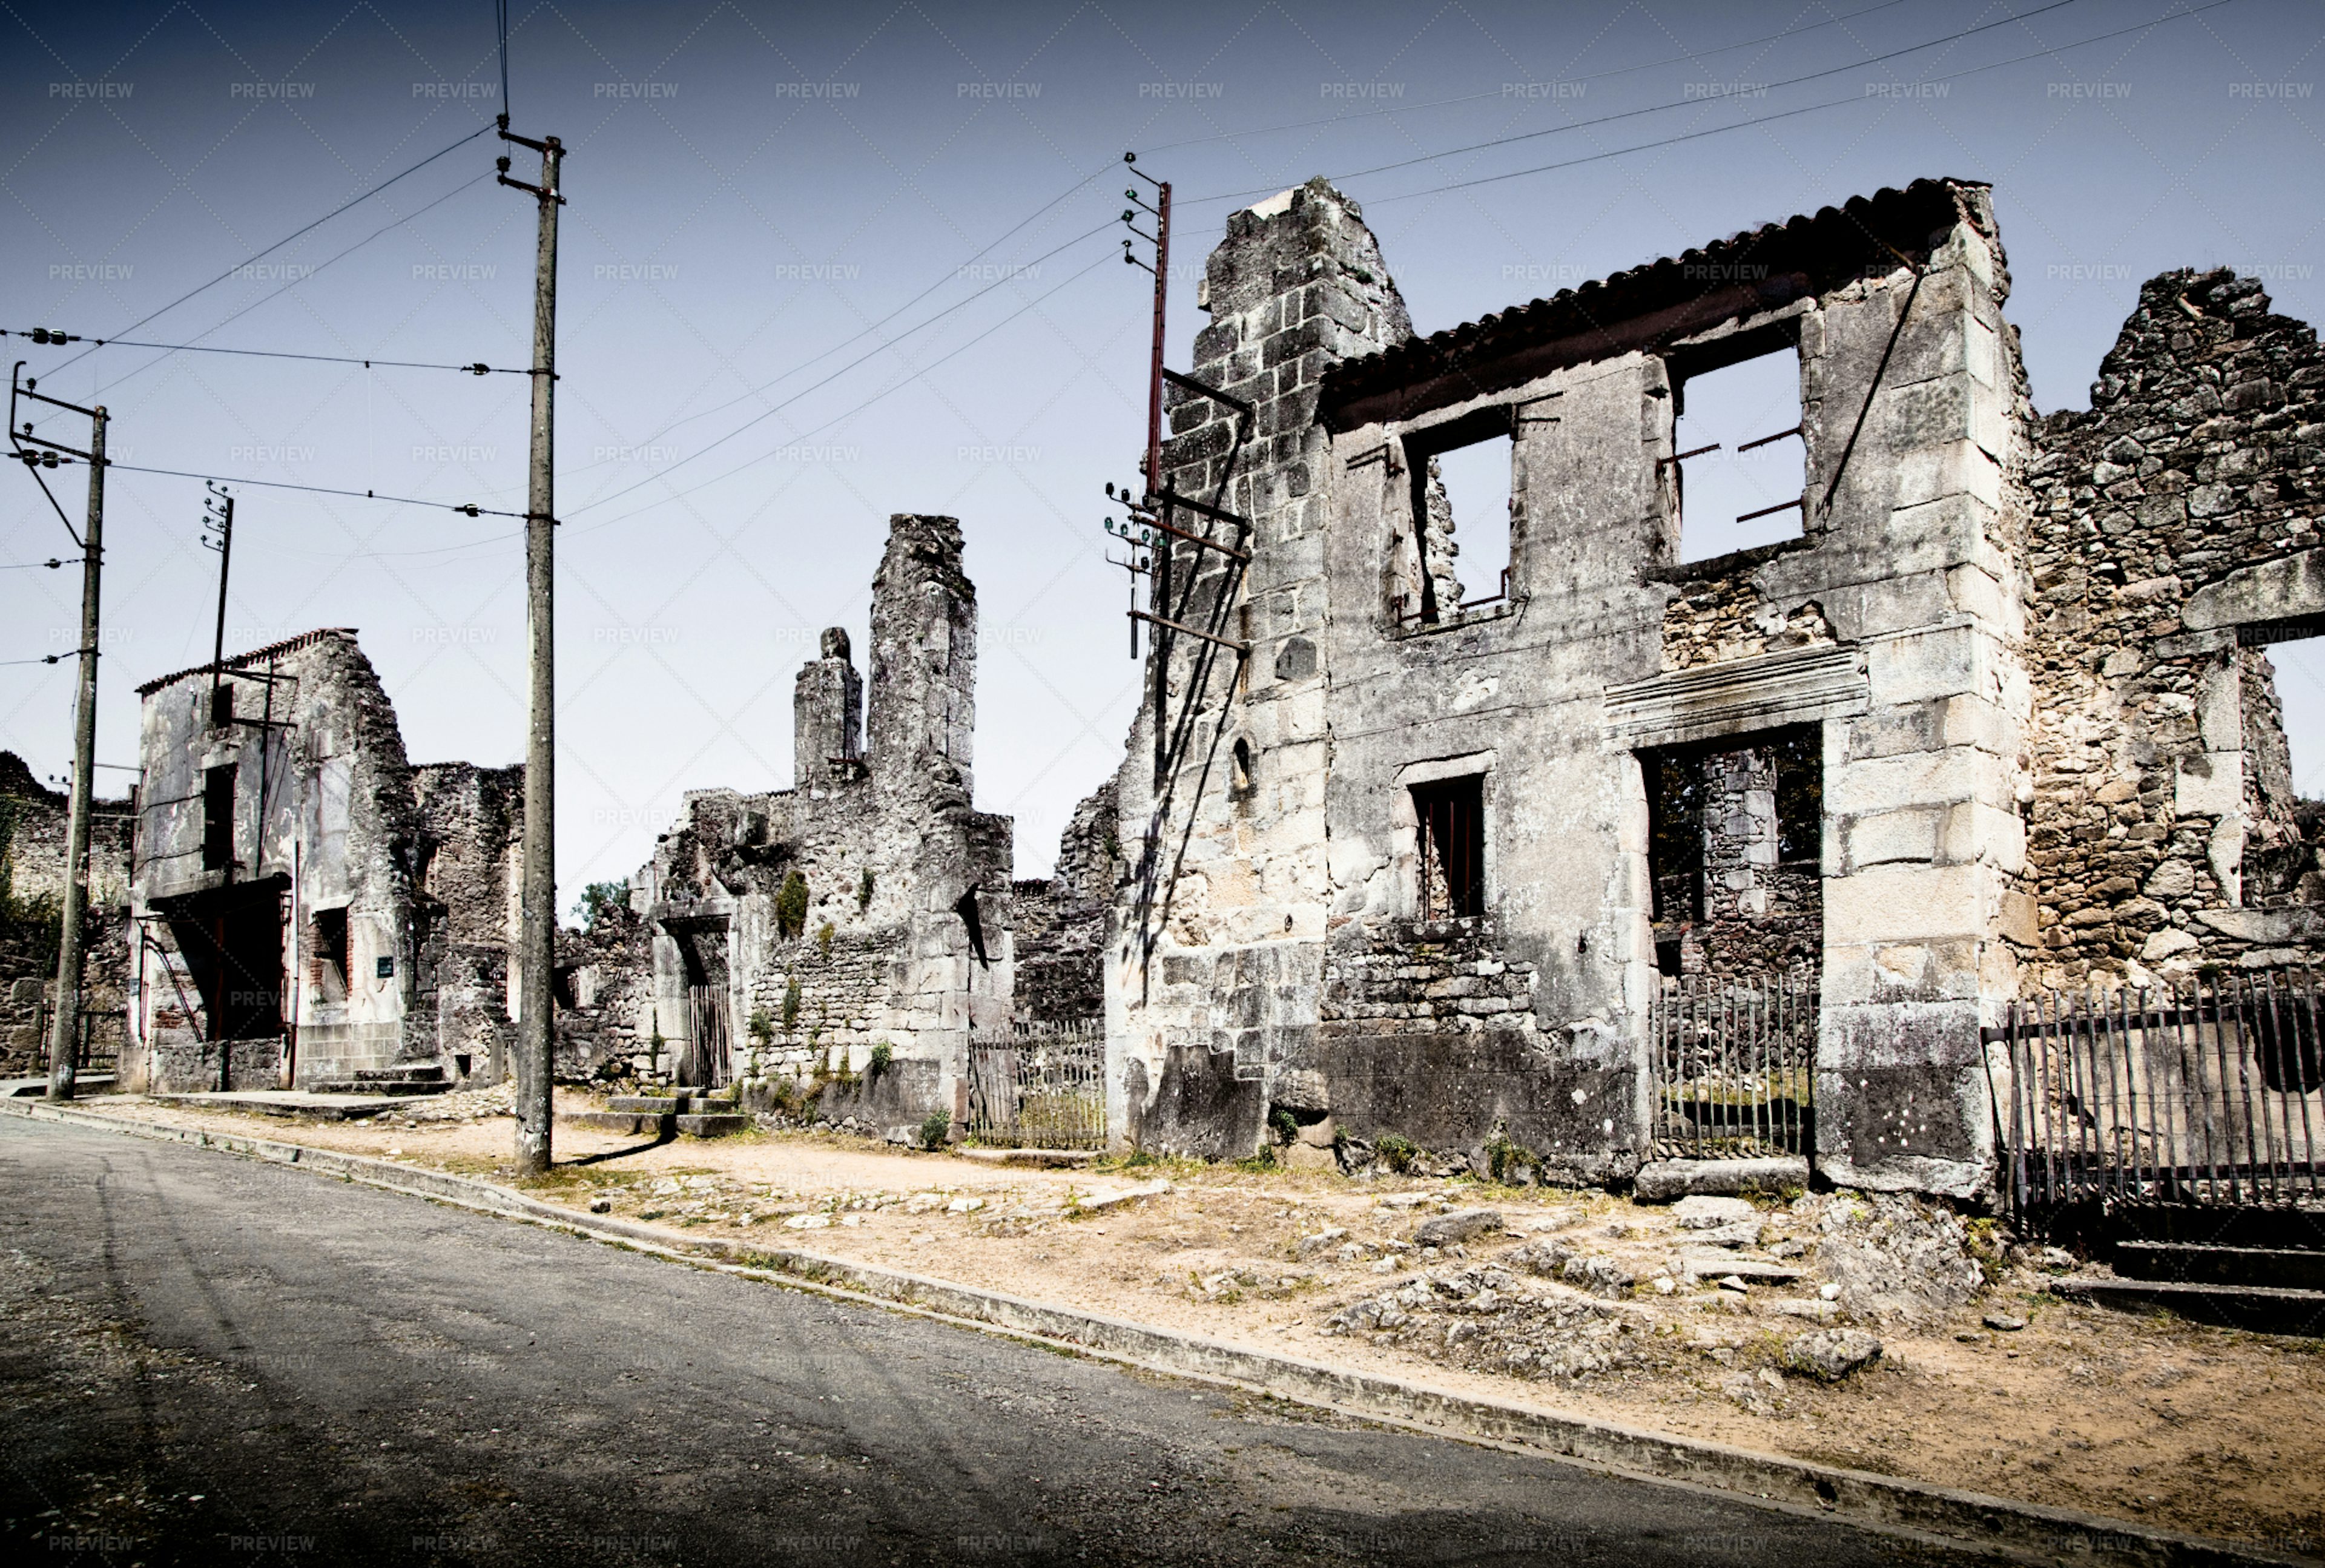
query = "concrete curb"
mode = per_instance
[{"x": 2020, "y": 1529}]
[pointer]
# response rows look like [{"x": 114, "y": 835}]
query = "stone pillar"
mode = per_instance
[
  {"x": 924, "y": 656},
  {"x": 827, "y": 710},
  {"x": 1924, "y": 847}
]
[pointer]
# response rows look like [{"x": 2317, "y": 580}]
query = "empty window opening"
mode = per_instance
[
  {"x": 218, "y": 818},
  {"x": 1734, "y": 853},
  {"x": 1741, "y": 463},
  {"x": 1239, "y": 769},
  {"x": 231, "y": 940},
  {"x": 1450, "y": 838},
  {"x": 1458, "y": 555},
  {"x": 329, "y": 965},
  {"x": 2283, "y": 687}
]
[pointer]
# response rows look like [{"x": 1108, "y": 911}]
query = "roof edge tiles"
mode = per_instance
[
  {"x": 1649, "y": 306},
  {"x": 256, "y": 656}
]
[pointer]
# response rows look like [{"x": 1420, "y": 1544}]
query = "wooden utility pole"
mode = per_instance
[
  {"x": 537, "y": 947},
  {"x": 64, "y": 1034},
  {"x": 217, "y": 514}
]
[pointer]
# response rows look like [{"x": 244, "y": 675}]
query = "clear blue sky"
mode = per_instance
[{"x": 754, "y": 191}]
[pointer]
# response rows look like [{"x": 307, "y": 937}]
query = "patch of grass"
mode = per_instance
[{"x": 1397, "y": 1150}]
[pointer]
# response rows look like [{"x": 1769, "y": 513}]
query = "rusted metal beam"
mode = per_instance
[{"x": 1242, "y": 649}]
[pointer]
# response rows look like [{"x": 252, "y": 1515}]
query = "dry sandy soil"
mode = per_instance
[{"x": 2189, "y": 1428}]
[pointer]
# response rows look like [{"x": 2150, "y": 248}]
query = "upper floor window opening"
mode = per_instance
[
  {"x": 1460, "y": 554},
  {"x": 1740, "y": 458}
]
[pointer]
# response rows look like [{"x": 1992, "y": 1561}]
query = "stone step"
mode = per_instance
[
  {"x": 2300, "y": 1229},
  {"x": 629, "y": 1124},
  {"x": 2286, "y": 1267},
  {"x": 427, "y": 1073},
  {"x": 2254, "y": 1308},
  {"x": 712, "y": 1126},
  {"x": 1719, "y": 1265},
  {"x": 362, "y": 1085},
  {"x": 666, "y": 1104}
]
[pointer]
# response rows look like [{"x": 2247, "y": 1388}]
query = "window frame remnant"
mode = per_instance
[
  {"x": 1449, "y": 840},
  {"x": 1497, "y": 423},
  {"x": 1697, "y": 361}
]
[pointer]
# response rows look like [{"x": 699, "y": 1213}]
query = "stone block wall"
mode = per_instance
[{"x": 1217, "y": 964}]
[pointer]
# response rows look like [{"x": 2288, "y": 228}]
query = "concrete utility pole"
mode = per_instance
[
  {"x": 537, "y": 956},
  {"x": 64, "y": 1034}
]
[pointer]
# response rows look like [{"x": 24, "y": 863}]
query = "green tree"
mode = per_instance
[{"x": 601, "y": 901}]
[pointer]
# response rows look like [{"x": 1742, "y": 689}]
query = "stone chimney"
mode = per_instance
[{"x": 826, "y": 712}]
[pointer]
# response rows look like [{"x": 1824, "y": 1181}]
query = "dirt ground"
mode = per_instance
[{"x": 1579, "y": 1302}]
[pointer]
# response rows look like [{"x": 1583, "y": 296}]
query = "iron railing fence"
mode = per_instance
[
  {"x": 102, "y": 1030},
  {"x": 1038, "y": 1086},
  {"x": 2205, "y": 1091},
  {"x": 1732, "y": 1065}
]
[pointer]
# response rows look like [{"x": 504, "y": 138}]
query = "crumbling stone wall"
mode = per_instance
[
  {"x": 33, "y": 822},
  {"x": 466, "y": 867},
  {"x": 2162, "y": 832},
  {"x": 1059, "y": 922},
  {"x": 882, "y": 832}
]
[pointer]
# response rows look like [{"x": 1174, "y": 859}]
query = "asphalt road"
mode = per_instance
[{"x": 204, "y": 1358}]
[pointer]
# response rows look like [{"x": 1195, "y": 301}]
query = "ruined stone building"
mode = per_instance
[
  {"x": 308, "y": 905},
  {"x": 33, "y": 819},
  {"x": 798, "y": 930},
  {"x": 1415, "y": 849}
]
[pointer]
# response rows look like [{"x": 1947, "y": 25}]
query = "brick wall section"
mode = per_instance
[{"x": 2161, "y": 796}]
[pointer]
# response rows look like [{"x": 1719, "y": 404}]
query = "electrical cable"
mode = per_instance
[
  {"x": 286, "y": 239},
  {"x": 900, "y": 310},
  {"x": 1477, "y": 98},
  {"x": 838, "y": 418},
  {"x": 294, "y": 282},
  {"x": 1758, "y": 88},
  {"x": 776, "y": 408},
  {"x": 39, "y": 565},
  {"x": 466, "y": 508},
  {"x": 1784, "y": 114},
  {"x": 51, "y": 335}
]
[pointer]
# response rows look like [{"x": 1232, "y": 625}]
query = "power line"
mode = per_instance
[
  {"x": 51, "y": 335},
  {"x": 1673, "y": 103},
  {"x": 1475, "y": 97},
  {"x": 851, "y": 414},
  {"x": 286, "y": 239},
  {"x": 40, "y": 565},
  {"x": 1785, "y": 114},
  {"x": 776, "y": 408},
  {"x": 294, "y": 282},
  {"x": 466, "y": 508},
  {"x": 900, "y": 310}
]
